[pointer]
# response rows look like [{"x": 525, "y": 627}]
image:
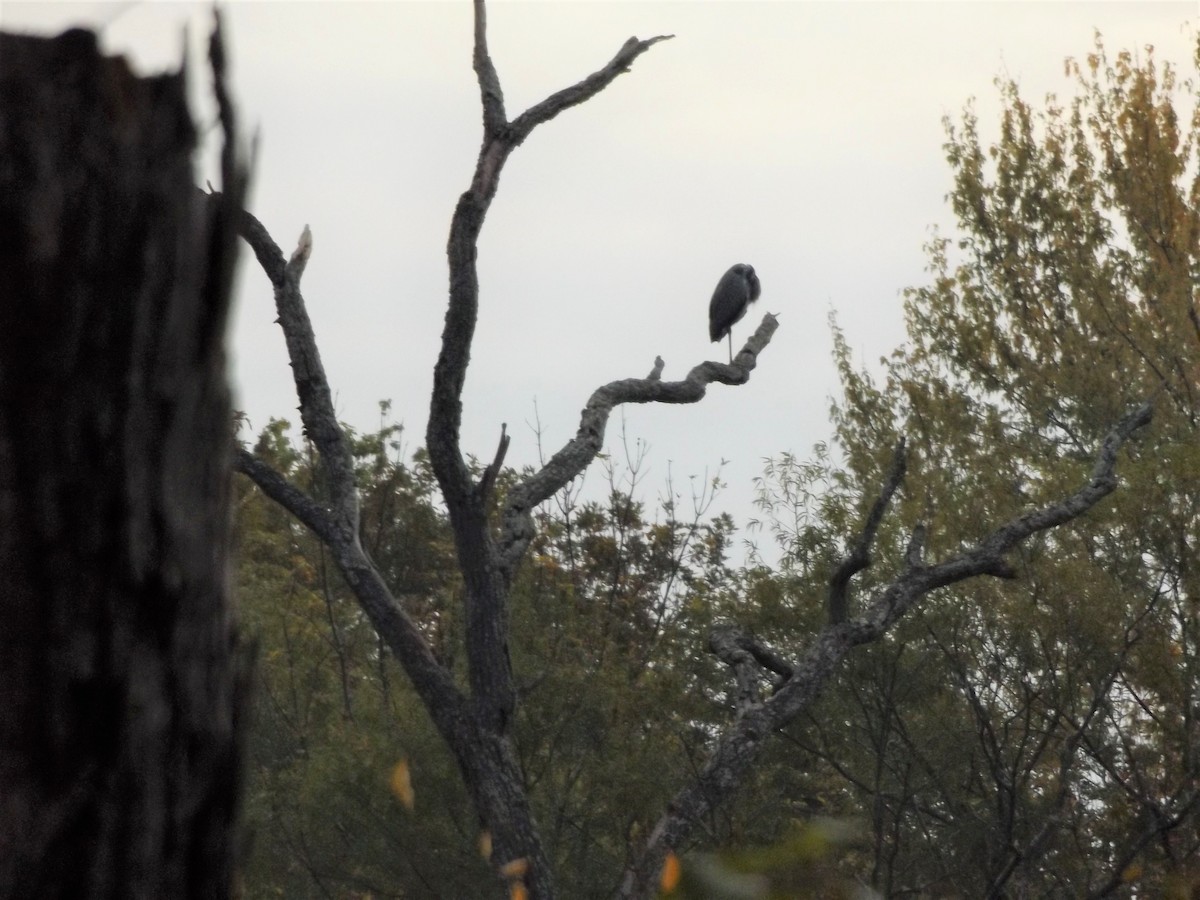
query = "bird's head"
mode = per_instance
[
  {"x": 747, "y": 271},
  {"x": 755, "y": 287}
]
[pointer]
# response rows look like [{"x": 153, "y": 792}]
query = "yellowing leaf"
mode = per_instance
[
  {"x": 485, "y": 844},
  {"x": 1132, "y": 873},
  {"x": 401, "y": 784},
  {"x": 517, "y": 891},
  {"x": 515, "y": 868},
  {"x": 671, "y": 870}
]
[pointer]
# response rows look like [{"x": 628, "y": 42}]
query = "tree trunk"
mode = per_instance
[{"x": 120, "y": 673}]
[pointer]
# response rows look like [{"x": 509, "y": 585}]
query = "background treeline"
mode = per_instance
[{"x": 1028, "y": 737}]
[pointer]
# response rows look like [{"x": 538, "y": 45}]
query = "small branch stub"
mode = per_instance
[
  {"x": 488, "y": 481},
  {"x": 303, "y": 251}
]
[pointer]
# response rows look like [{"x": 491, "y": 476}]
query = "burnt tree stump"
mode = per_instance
[{"x": 121, "y": 677}]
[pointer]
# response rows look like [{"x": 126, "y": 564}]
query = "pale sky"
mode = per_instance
[{"x": 803, "y": 138}]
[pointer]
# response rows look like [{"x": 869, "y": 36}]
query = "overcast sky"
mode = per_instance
[{"x": 803, "y": 138}]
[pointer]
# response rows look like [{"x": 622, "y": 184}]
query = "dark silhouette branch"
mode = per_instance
[
  {"x": 491, "y": 96},
  {"x": 311, "y": 514},
  {"x": 500, "y": 139},
  {"x": 584, "y": 90},
  {"x": 269, "y": 256}
]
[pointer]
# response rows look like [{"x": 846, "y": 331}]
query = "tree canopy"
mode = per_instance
[{"x": 1038, "y": 736}]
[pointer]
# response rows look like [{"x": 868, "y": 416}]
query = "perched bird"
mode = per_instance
[{"x": 736, "y": 290}]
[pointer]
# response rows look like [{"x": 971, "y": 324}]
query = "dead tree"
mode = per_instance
[
  {"x": 476, "y": 723},
  {"x": 120, "y": 672}
]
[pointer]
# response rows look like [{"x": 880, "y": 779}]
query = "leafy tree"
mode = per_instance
[{"x": 1036, "y": 736}]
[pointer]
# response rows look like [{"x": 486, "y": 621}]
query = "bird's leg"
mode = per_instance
[{"x": 730, "y": 333}]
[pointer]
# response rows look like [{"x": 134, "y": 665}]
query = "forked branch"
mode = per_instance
[
  {"x": 486, "y": 581},
  {"x": 501, "y": 137},
  {"x": 335, "y": 520},
  {"x": 738, "y": 748}
]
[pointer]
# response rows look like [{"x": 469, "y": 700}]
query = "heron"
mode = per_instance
[{"x": 736, "y": 290}]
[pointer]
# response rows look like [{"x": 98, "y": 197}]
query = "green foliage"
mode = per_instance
[
  {"x": 333, "y": 712},
  {"x": 1037, "y": 736},
  {"x": 610, "y": 616},
  {"x": 610, "y": 613}
]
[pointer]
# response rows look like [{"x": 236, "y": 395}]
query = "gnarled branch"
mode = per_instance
[
  {"x": 500, "y": 139},
  {"x": 747, "y": 656},
  {"x": 578, "y": 453}
]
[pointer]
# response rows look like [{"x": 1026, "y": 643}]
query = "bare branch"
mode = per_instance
[
  {"x": 727, "y": 643},
  {"x": 988, "y": 557},
  {"x": 859, "y": 556},
  {"x": 492, "y": 97},
  {"x": 338, "y": 524},
  {"x": 737, "y": 749},
  {"x": 746, "y": 656},
  {"x": 477, "y": 731},
  {"x": 490, "y": 473},
  {"x": 311, "y": 513},
  {"x": 312, "y": 386},
  {"x": 500, "y": 139},
  {"x": 769, "y": 659},
  {"x": 270, "y": 257},
  {"x": 584, "y": 90},
  {"x": 493, "y": 692},
  {"x": 578, "y": 453},
  {"x": 432, "y": 682}
]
